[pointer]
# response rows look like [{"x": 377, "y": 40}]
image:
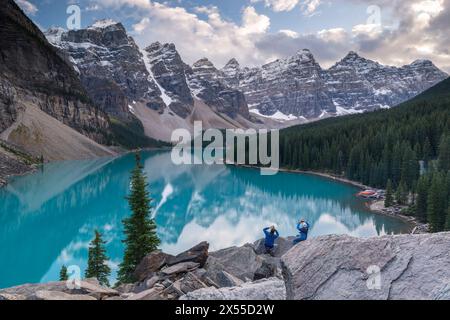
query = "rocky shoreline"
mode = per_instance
[
  {"x": 417, "y": 227},
  {"x": 14, "y": 166},
  {"x": 375, "y": 206},
  {"x": 322, "y": 268},
  {"x": 14, "y": 162}
]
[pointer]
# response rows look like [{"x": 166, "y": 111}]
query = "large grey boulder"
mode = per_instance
[
  {"x": 267, "y": 289},
  {"x": 282, "y": 245},
  {"x": 241, "y": 262},
  {"x": 197, "y": 254},
  {"x": 381, "y": 268},
  {"x": 57, "y": 295},
  {"x": 191, "y": 282},
  {"x": 86, "y": 287},
  {"x": 216, "y": 275},
  {"x": 267, "y": 269},
  {"x": 180, "y": 268},
  {"x": 150, "y": 294},
  {"x": 151, "y": 264}
]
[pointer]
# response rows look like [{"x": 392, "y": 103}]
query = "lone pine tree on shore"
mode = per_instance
[
  {"x": 97, "y": 260},
  {"x": 389, "y": 201},
  {"x": 139, "y": 228},
  {"x": 63, "y": 276},
  {"x": 422, "y": 198},
  {"x": 401, "y": 195}
]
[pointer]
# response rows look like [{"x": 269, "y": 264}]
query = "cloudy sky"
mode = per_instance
[{"x": 394, "y": 32}]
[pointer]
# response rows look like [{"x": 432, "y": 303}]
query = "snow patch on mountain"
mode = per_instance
[
  {"x": 101, "y": 24},
  {"x": 280, "y": 116},
  {"x": 164, "y": 96}
]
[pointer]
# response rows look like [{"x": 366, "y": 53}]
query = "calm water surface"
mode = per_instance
[{"x": 47, "y": 219}]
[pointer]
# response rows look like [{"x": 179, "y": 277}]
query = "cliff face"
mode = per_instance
[
  {"x": 205, "y": 81},
  {"x": 32, "y": 71}
]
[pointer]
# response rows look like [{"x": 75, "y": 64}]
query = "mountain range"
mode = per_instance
[
  {"x": 280, "y": 93},
  {"x": 299, "y": 87},
  {"x": 67, "y": 93}
]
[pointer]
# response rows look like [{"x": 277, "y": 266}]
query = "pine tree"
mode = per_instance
[
  {"x": 140, "y": 228},
  {"x": 427, "y": 151},
  {"x": 422, "y": 198},
  {"x": 444, "y": 153},
  {"x": 63, "y": 276},
  {"x": 436, "y": 209},
  {"x": 389, "y": 200},
  {"x": 97, "y": 260},
  {"x": 447, "y": 221},
  {"x": 401, "y": 195}
]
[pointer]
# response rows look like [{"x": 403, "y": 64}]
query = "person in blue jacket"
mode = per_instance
[
  {"x": 271, "y": 235},
  {"x": 303, "y": 228}
]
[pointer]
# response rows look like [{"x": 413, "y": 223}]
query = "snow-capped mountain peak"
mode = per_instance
[
  {"x": 54, "y": 34},
  {"x": 356, "y": 62},
  {"x": 304, "y": 54},
  {"x": 104, "y": 24},
  {"x": 205, "y": 68},
  {"x": 422, "y": 63},
  {"x": 233, "y": 63},
  {"x": 297, "y": 85}
]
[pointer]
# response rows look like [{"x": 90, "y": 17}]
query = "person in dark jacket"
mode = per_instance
[
  {"x": 271, "y": 235},
  {"x": 303, "y": 228}
]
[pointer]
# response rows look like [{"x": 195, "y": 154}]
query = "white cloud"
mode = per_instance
[
  {"x": 333, "y": 35},
  {"x": 119, "y": 3},
  {"x": 418, "y": 29},
  {"x": 369, "y": 30},
  {"x": 308, "y": 7},
  {"x": 206, "y": 9},
  {"x": 290, "y": 33},
  {"x": 27, "y": 6},
  {"x": 252, "y": 22},
  {"x": 432, "y": 7},
  {"x": 213, "y": 37},
  {"x": 141, "y": 25},
  {"x": 93, "y": 7},
  {"x": 282, "y": 5}
]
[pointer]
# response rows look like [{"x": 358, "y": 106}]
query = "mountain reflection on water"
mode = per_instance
[{"x": 48, "y": 218}]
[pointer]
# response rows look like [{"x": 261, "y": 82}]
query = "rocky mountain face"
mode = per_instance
[
  {"x": 110, "y": 63},
  {"x": 182, "y": 83},
  {"x": 168, "y": 70},
  {"x": 110, "y": 66},
  {"x": 206, "y": 83},
  {"x": 298, "y": 85},
  {"x": 293, "y": 86},
  {"x": 359, "y": 84},
  {"x": 32, "y": 71}
]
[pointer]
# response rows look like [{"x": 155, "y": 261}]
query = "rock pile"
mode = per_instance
[{"x": 327, "y": 267}]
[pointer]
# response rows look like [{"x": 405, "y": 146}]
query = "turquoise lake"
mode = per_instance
[{"x": 48, "y": 218}]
